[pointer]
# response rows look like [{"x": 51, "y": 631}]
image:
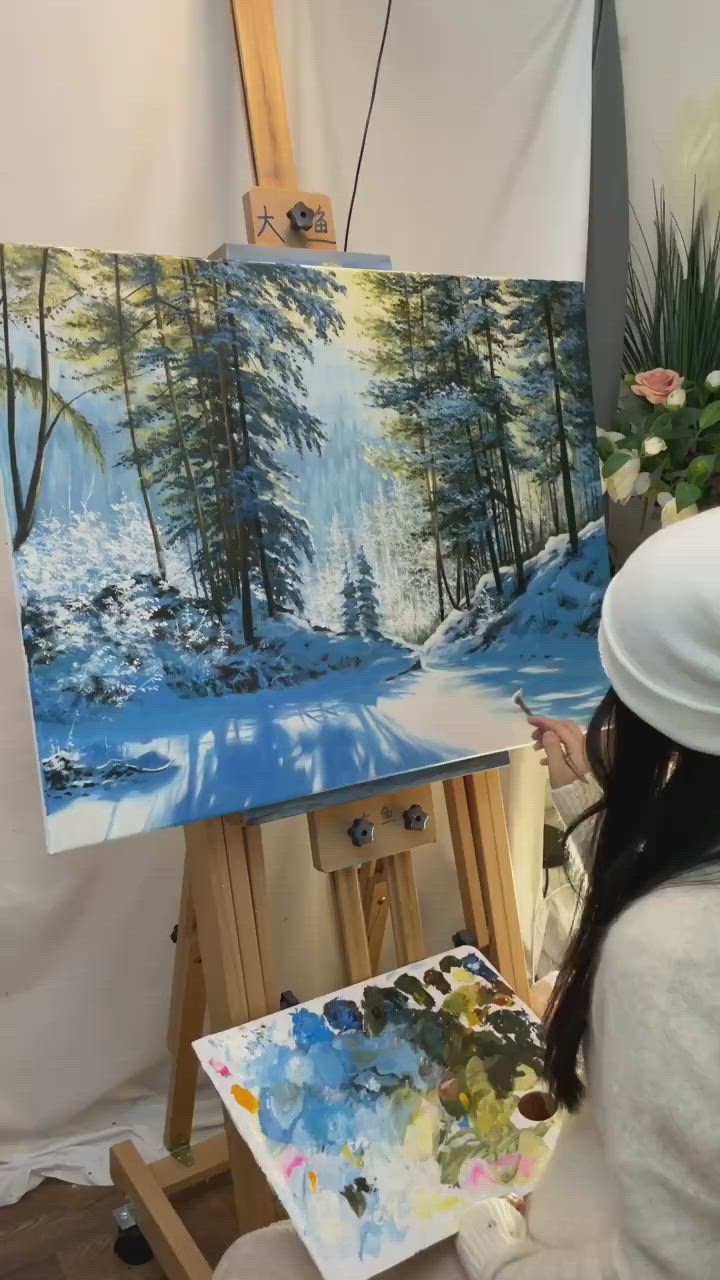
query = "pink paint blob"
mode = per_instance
[
  {"x": 296, "y": 1162},
  {"x": 477, "y": 1176},
  {"x": 220, "y": 1067},
  {"x": 522, "y": 1165}
]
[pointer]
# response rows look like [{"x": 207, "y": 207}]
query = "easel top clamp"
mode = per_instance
[{"x": 223, "y": 960}]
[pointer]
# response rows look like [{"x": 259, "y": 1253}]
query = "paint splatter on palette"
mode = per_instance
[{"x": 381, "y": 1113}]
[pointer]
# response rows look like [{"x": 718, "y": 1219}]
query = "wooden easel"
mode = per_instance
[{"x": 223, "y": 965}]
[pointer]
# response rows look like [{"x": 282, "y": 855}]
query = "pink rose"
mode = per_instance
[{"x": 657, "y": 384}]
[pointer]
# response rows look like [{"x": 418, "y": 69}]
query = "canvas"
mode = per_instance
[
  {"x": 279, "y": 531},
  {"x": 380, "y": 1114}
]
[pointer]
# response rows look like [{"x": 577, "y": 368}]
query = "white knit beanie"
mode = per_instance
[{"x": 660, "y": 632}]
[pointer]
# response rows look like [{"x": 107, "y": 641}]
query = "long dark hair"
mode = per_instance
[{"x": 658, "y": 819}]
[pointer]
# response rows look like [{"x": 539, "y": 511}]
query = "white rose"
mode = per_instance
[
  {"x": 642, "y": 484},
  {"x": 621, "y": 484},
  {"x": 712, "y": 382},
  {"x": 677, "y": 399},
  {"x": 652, "y": 446},
  {"x": 670, "y": 513}
]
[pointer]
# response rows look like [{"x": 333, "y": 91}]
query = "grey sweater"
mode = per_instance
[{"x": 632, "y": 1191}]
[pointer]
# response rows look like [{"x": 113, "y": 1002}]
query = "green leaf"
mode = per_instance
[
  {"x": 685, "y": 417},
  {"x": 605, "y": 447},
  {"x": 701, "y": 469},
  {"x": 710, "y": 415},
  {"x": 679, "y": 450},
  {"x": 662, "y": 426},
  {"x": 686, "y": 494},
  {"x": 60, "y": 410},
  {"x": 614, "y": 463}
]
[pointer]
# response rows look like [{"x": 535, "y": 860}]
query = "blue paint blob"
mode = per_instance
[
  {"x": 475, "y": 964},
  {"x": 309, "y": 1029},
  {"x": 279, "y": 1111},
  {"x": 343, "y": 1015}
]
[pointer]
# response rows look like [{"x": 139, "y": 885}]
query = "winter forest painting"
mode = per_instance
[{"x": 280, "y": 530}]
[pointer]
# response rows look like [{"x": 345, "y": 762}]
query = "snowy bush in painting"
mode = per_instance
[{"x": 282, "y": 530}]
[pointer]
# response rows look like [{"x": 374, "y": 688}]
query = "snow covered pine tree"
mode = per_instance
[
  {"x": 366, "y": 593},
  {"x": 350, "y": 611}
]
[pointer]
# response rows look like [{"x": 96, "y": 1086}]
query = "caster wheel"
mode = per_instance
[{"x": 132, "y": 1248}]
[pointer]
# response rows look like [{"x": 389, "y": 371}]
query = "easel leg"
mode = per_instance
[
  {"x": 221, "y": 887},
  {"x": 169, "y": 1239},
  {"x": 487, "y": 820},
  {"x": 187, "y": 1014},
  {"x": 466, "y": 862},
  {"x": 348, "y": 901},
  {"x": 404, "y": 908},
  {"x": 374, "y": 890}
]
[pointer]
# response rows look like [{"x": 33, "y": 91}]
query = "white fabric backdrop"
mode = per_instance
[{"x": 124, "y": 130}]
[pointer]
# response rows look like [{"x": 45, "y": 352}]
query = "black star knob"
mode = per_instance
[
  {"x": 361, "y": 831},
  {"x": 415, "y": 818},
  {"x": 301, "y": 216}
]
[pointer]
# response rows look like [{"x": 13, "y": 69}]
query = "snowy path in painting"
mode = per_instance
[
  {"x": 269, "y": 746},
  {"x": 266, "y": 747}
]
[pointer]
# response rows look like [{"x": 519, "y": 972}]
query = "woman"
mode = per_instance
[{"x": 633, "y": 1189}]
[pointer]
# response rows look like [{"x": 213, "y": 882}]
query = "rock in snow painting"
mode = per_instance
[{"x": 279, "y": 530}]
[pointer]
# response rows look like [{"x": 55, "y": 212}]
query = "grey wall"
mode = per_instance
[{"x": 609, "y": 216}]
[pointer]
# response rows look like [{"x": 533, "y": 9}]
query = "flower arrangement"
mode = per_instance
[{"x": 666, "y": 444}]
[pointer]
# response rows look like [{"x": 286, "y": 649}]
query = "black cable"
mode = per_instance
[
  {"x": 367, "y": 122},
  {"x": 596, "y": 38}
]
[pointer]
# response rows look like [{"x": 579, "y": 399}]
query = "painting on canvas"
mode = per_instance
[
  {"x": 379, "y": 1115},
  {"x": 278, "y": 531}
]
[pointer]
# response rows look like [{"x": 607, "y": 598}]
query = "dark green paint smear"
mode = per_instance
[
  {"x": 414, "y": 988},
  {"x": 356, "y": 1195},
  {"x": 434, "y": 978}
]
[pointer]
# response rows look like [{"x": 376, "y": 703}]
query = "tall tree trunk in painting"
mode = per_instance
[
  {"x": 191, "y": 566},
  {"x": 554, "y": 508},
  {"x": 521, "y": 513},
  {"x": 214, "y": 593},
  {"x": 482, "y": 487},
  {"x": 432, "y": 475},
  {"x": 144, "y": 491},
  {"x": 242, "y": 533},
  {"x": 432, "y": 506},
  {"x": 247, "y": 450},
  {"x": 194, "y": 326},
  {"x": 565, "y": 469},
  {"x": 10, "y": 393},
  {"x": 26, "y": 518},
  {"x": 506, "y": 474}
]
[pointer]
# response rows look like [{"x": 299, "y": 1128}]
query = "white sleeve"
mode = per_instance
[
  {"x": 571, "y": 802},
  {"x": 655, "y": 1092}
]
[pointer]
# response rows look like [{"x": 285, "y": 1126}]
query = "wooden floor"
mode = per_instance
[{"x": 62, "y": 1232}]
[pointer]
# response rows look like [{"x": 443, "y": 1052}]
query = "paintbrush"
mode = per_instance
[{"x": 519, "y": 700}]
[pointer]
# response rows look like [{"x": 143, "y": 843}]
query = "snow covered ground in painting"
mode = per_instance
[{"x": 385, "y": 710}]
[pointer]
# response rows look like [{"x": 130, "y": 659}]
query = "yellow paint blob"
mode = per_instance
[
  {"x": 427, "y": 1204},
  {"x": 312, "y": 1179},
  {"x": 246, "y": 1099},
  {"x": 347, "y": 1153},
  {"x": 419, "y": 1140},
  {"x": 463, "y": 1098}
]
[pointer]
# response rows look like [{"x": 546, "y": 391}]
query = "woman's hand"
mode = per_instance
[{"x": 563, "y": 742}]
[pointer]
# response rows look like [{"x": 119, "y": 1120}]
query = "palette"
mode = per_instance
[{"x": 381, "y": 1113}]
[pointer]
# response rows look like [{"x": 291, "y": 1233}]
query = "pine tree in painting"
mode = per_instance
[
  {"x": 366, "y": 593},
  {"x": 350, "y": 606}
]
